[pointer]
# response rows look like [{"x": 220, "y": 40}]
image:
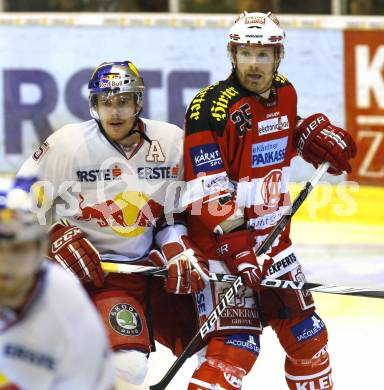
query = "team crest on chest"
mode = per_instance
[
  {"x": 155, "y": 153},
  {"x": 271, "y": 188}
]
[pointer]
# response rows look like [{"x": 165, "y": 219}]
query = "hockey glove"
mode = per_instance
[
  {"x": 236, "y": 250},
  {"x": 70, "y": 248},
  {"x": 187, "y": 268},
  {"x": 317, "y": 141}
]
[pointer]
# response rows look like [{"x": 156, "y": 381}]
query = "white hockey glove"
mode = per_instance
[{"x": 187, "y": 267}]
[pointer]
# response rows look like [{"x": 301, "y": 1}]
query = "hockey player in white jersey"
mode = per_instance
[
  {"x": 121, "y": 169},
  {"x": 51, "y": 337}
]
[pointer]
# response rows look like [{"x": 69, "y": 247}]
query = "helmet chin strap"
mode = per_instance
[
  {"x": 141, "y": 134},
  {"x": 135, "y": 129}
]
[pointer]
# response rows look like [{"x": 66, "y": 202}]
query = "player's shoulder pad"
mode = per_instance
[
  {"x": 155, "y": 126},
  {"x": 70, "y": 133},
  {"x": 211, "y": 104},
  {"x": 57, "y": 144},
  {"x": 163, "y": 130},
  {"x": 280, "y": 81},
  {"x": 66, "y": 140}
]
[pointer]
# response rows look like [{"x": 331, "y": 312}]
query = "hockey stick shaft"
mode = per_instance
[
  {"x": 274, "y": 283},
  {"x": 323, "y": 288},
  {"x": 232, "y": 290}
]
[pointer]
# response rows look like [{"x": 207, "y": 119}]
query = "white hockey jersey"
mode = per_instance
[
  {"x": 114, "y": 198},
  {"x": 59, "y": 342}
]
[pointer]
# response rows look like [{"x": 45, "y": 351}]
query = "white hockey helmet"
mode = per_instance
[
  {"x": 256, "y": 29},
  {"x": 18, "y": 222}
]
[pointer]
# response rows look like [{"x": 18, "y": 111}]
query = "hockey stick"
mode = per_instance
[
  {"x": 231, "y": 292},
  {"x": 274, "y": 283}
]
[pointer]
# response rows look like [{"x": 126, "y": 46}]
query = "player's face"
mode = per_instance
[
  {"x": 117, "y": 115},
  {"x": 255, "y": 66},
  {"x": 18, "y": 265}
]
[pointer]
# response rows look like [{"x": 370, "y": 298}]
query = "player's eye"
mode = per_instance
[
  {"x": 105, "y": 102},
  {"x": 124, "y": 101}
]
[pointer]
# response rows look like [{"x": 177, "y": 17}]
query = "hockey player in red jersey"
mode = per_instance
[
  {"x": 121, "y": 167},
  {"x": 241, "y": 134}
]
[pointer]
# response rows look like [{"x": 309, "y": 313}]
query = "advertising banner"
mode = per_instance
[
  {"x": 44, "y": 72},
  {"x": 364, "y": 97}
]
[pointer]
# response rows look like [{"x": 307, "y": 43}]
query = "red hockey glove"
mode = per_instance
[
  {"x": 236, "y": 249},
  {"x": 187, "y": 268},
  {"x": 317, "y": 141},
  {"x": 70, "y": 248}
]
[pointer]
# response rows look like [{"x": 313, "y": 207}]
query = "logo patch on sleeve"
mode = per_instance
[
  {"x": 39, "y": 153},
  {"x": 308, "y": 328},
  {"x": 248, "y": 342},
  {"x": 269, "y": 153},
  {"x": 206, "y": 158}
]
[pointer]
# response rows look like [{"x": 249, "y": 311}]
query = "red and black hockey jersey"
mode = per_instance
[{"x": 238, "y": 142}]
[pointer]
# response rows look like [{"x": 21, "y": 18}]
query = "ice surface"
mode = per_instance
[{"x": 349, "y": 255}]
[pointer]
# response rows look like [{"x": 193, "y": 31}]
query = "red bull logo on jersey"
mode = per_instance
[
  {"x": 5, "y": 383},
  {"x": 129, "y": 214}
]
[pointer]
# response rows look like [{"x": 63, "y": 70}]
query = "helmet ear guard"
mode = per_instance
[{"x": 114, "y": 78}]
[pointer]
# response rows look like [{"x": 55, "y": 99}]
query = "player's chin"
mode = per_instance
[
  {"x": 256, "y": 87},
  {"x": 116, "y": 132},
  {"x": 8, "y": 293}
]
